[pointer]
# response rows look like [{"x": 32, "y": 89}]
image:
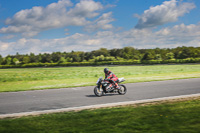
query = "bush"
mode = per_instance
[
  {"x": 152, "y": 61},
  {"x": 100, "y": 63}
]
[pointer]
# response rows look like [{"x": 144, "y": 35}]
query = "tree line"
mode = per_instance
[{"x": 103, "y": 54}]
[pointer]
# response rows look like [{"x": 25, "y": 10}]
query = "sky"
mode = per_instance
[{"x": 46, "y": 26}]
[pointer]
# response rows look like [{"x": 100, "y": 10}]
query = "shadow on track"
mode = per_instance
[{"x": 101, "y": 96}]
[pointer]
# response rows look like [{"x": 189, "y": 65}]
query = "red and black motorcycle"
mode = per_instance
[{"x": 104, "y": 86}]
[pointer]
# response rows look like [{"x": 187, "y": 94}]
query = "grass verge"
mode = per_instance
[
  {"x": 178, "y": 116},
  {"x": 46, "y": 78}
]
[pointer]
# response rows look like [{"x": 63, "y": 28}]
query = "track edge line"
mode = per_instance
[{"x": 34, "y": 113}]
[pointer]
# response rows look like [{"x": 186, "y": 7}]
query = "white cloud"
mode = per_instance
[
  {"x": 103, "y": 22},
  {"x": 178, "y": 35},
  {"x": 169, "y": 11},
  {"x": 181, "y": 30},
  {"x": 4, "y": 46},
  {"x": 30, "y": 22},
  {"x": 185, "y": 34},
  {"x": 86, "y": 8},
  {"x": 16, "y": 29},
  {"x": 7, "y": 37}
]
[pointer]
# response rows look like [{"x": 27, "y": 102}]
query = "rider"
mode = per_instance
[{"x": 111, "y": 77}]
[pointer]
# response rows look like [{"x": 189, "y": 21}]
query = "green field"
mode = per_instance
[
  {"x": 159, "y": 118},
  {"x": 45, "y": 78}
]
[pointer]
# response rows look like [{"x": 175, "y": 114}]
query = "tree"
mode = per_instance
[
  {"x": 101, "y": 51},
  {"x": 82, "y": 56},
  {"x": 131, "y": 53},
  {"x": 88, "y": 55},
  {"x": 185, "y": 53},
  {"x": 15, "y": 61},
  {"x": 101, "y": 58},
  {"x": 105, "y": 55},
  {"x": 180, "y": 53},
  {"x": 8, "y": 60},
  {"x": 158, "y": 57},
  {"x": 26, "y": 59},
  {"x": 1, "y": 59},
  {"x": 77, "y": 56},
  {"x": 68, "y": 59},
  {"x": 19, "y": 57},
  {"x": 46, "y": 58},
  {"x": 148, "y": 56},
  {"x": 56, "y": 56},
  {"x": 194, "y": 53},
  {"x": 39, "y": 58},
  {"x": 32, "y": 58},
  {"x": 116, "y": 52},
  {"x": 62, "y": 60},
  {"x": 127, "y": 52},
  {"x": 170, "y": 55}
]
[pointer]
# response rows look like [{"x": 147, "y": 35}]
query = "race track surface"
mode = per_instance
[{"x": 28, "y": 101}]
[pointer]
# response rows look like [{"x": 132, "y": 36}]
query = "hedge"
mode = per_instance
[{"x": 127, "y": 62}]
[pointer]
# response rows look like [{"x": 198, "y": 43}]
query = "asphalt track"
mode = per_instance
[{"x": 68, "y": 98}]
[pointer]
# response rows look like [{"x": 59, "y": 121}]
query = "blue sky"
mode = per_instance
[{"x": 45, "y": 26}]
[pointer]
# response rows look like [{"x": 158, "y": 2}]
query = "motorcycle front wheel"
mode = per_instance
[
  {"x": 122, "y": 90},
  {"x": 98, "y": 92}
]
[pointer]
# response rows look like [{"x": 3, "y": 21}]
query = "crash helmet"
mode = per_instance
[{"x": 106, "y": 70}]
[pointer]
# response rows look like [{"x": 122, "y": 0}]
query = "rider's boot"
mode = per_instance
[{"x": 117, "y": 86}]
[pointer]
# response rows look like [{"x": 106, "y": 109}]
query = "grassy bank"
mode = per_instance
[
  {"x": 167, "y": 117},
  {"x": 46, "y": 78}
]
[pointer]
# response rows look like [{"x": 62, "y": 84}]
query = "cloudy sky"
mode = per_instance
[{"x": 45, "y": 26}]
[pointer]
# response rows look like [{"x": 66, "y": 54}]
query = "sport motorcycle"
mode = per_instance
[{"x": 104, "y": 86}]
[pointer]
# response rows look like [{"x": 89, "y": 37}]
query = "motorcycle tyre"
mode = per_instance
[
  {"x": 125, "y": 90},
  {"x": 99, "y": 94}
]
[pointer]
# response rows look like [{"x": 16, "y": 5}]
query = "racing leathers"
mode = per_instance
[{"x": 112, "y": 78}]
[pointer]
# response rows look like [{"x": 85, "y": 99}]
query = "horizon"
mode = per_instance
[{"x": 96, "y": 50}]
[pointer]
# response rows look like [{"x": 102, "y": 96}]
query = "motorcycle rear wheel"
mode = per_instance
[
  {"x": 98, "y": 92},
  {"x": 122, "y": 90}
]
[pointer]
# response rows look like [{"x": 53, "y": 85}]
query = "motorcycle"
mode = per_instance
[{"x": 104, "y": 86}]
